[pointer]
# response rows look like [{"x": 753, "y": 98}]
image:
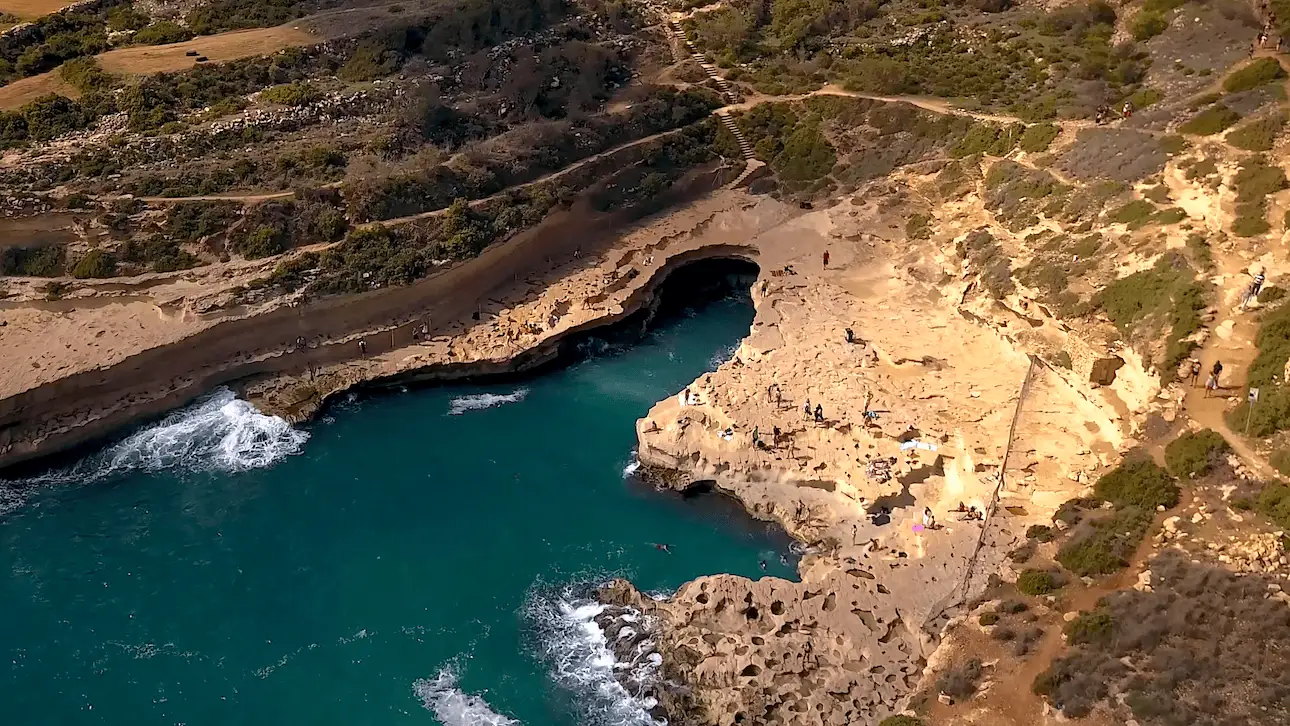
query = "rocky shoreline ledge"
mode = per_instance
[{"x": 913, "y": 381}]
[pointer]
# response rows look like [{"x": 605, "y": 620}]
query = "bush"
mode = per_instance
[
  {"x": 1211, "y": 121},
  {"x": 162, "y": 32},
  {"x": 1012, "y": 607},
  {"x": 221, "y": 15},
  {"x": 960, "y": 682},
  {"x": 1138, "y": 482},
  {"x": 125, "y": 17},
  {"x": 1274, "y": 503},
  {"x": 261, "y": 242},
  {"x": 1256, "y": 179},
  {"x": 988, "y": 619},
  {"x": 298, "y": 93},
  {"x": 1102, "y": 545},
  {"x": 1258, "y": 134},
  {"x": 36, "y": 261},
  {"x": 94, "y": 264},
  {"x": 1147, "y": 25},
  {"x": 1271, "y": 294},
  {"x": 85, "y": 75},
  {"x": 1134, "y": 214},
  {"x": 1039, "y": 137},
  {"x": 1089, "y": 628},
  {"x": 1036, "y": 582},
  {"x": 901, "y": 721},
  {"x": 1041, "y": 532},
  {"x": 918, "y": 226},
  {"x": 1250, "y": 226},
  {"x": 1253, "y": 74},
  {"x": 1193, "y": 453}
]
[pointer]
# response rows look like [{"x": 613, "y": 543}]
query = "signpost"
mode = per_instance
[{"x": 1253, "y": 398}]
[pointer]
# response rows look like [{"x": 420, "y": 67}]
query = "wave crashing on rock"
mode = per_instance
[
  {"x": 217, "y": 433},
  {"x": 604, "y": 655},
  {"x": 454, "y": 707}
]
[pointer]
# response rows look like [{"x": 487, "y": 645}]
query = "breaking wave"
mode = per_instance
[
  {"x": 462, "y": 404},
  {"x": 582, "y": 659},
  {"x": 454, "y": 707},
  {"x": 219, "y": 432}
]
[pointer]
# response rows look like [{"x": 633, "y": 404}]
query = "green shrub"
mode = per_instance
[
  {"x": 1138, "y": 482},
  {"x": 1248, "y": 225},
  {"x": 162, "y": 32},
  {"x": 221, "y": 15},
  {"x": 1036, "y": 582},
  {"x": 85, "y": 75},
  {"x": 1039, "y": 137},
  {"x": 1253, "y": 74},
  {"x": 1167, "y": 289},
  {"x": 36, "y": 261},
  {"x": 1258, "y": 134},
  {"x": 298, "y": 93},
  {"x": 1211, "y": 121},
  {"x": 1193, "y": 453},
  {"x": 988, "y": 619},
  {"x": 1274, "y": 503},
  {"x": 1271, "y": 294},
  {"x": 806, "y": 155},
  {"x": 1280, "y": 460},
  {"x": 1041, "y": 532},
  {"x": 1144, "y": 97},
  {"x": 1147, "y": 25},
  {"x": 1134, "y": 214},
  {"x": 918, "y": 226},
  {"x": 1103, "y": 544},
  {"x": 901, "y": 721},
  {"x": 125, "y": 17},
  {"x": 263, "y": 241},
  {"x": 987, "y": 139},
  {"x": 1257, "y": 178},
  {"x": 1172, "y": 215},
  {"x": 1089, "y": 627},
  {"x": 94, "y": 264}
]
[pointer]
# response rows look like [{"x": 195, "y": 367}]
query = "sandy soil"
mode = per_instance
[{"x": 32, "y": 8}]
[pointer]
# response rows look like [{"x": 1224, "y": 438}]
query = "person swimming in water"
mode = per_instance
[
  {"x": 663, "y": 547},
  {"x": 763, "y": 565}
]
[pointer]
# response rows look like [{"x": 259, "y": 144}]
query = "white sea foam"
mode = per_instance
[
  {"x": 219, "y": 432},
  {"x": 462, "y": 404},
  {"x": 721, "y": 356},
  {"x": 452, "y": 706},
  {"x": 581, "y": 660},
  {"x": 632, "y": 466}
]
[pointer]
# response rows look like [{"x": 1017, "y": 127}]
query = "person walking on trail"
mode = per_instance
[
  {"x": 1217, "y": 370},
  {"x": 362, "y": 347},
  {"x": 1255, "y": 288},
  {"x": 806, "y": 408},
  {"x": 825, "y": 257},
  {"x": 819, "y": 413},
  {"x": 1211, "y": 384},
  {"x": 1127, "y": 111},
  {"x": 1195, "y": 372}
]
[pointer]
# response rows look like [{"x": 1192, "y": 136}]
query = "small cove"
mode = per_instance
[{"x": 418, "y": 557}]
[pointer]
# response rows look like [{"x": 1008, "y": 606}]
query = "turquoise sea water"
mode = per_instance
[{"x": 422, "y": 557}]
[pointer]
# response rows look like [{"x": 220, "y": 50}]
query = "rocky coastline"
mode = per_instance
[{"x": 805, "y": 426}]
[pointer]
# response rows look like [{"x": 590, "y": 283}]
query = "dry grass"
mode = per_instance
[
  {"x": 164, "y": 58},
  {"x": 29, "y": 9},
  {"x": 28, "y": 89},
  {"x": 222, "y": 47}
]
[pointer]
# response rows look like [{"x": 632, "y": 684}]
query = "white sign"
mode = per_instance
[{"x": 1254, "y": 395}]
